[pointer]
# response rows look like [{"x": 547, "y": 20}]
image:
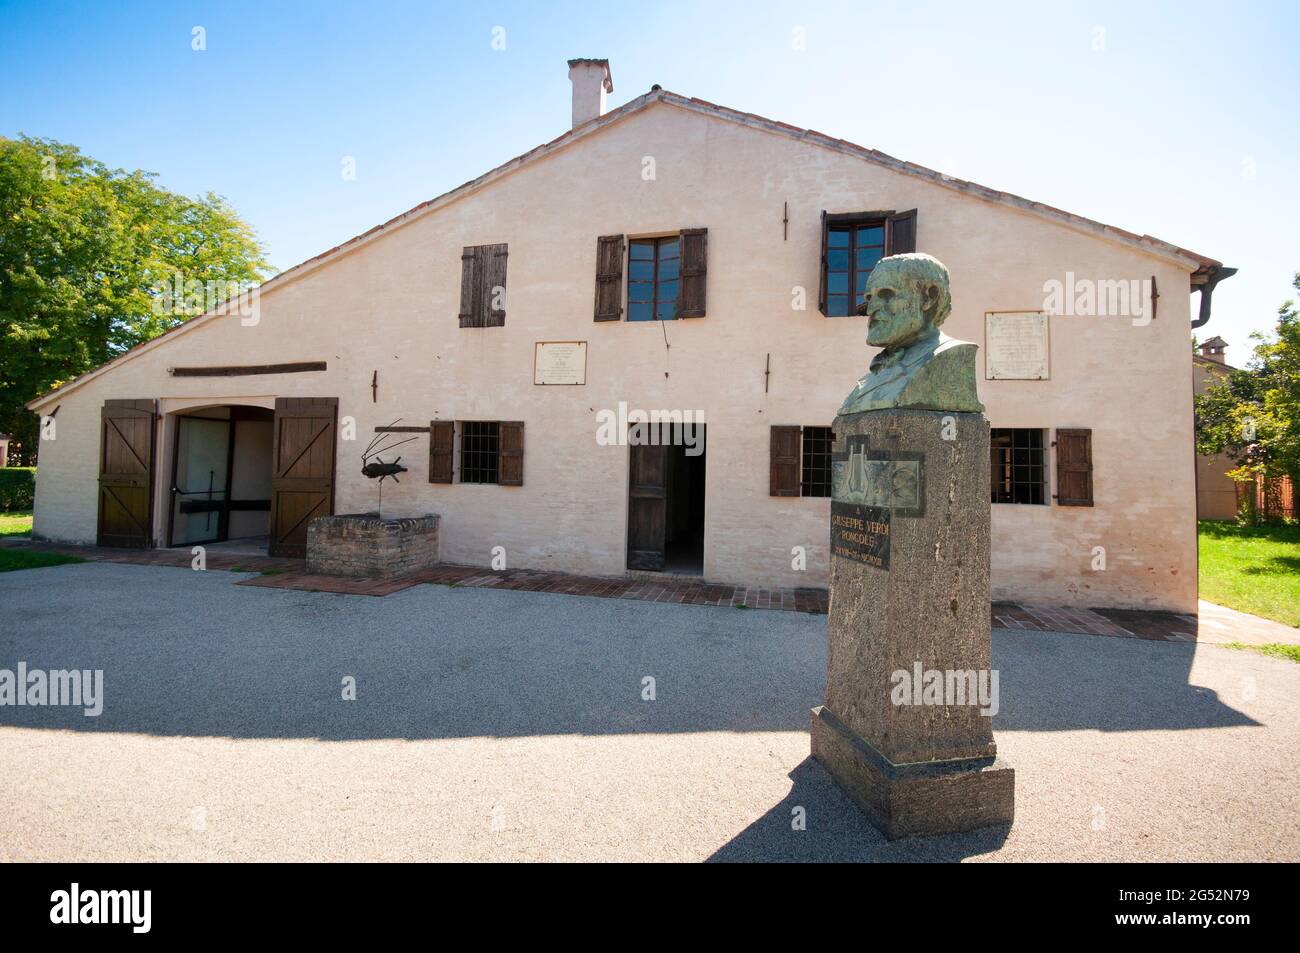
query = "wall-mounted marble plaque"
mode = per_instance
[
  {"x": 560, "y": 362},
  {"x": 1016, "y": 347}
]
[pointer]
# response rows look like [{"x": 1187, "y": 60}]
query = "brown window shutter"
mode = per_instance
[
  {"x": 494, "y": 278},
  {"x": 821, "y": 293},
  {"x": 442, "y": 435},
  {"x": 783, "y": 476},
  {"x": 900, "y": 233},
  {"x": 609, "y": 278},
  {"x": 694, "y": 252},
  {"x": 510, "y": 465},
  {"x": 470, "y": 314},
  {"x": 1074, "y": 467}
]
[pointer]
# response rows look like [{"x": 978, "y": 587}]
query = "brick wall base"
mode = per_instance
[{"x": 363, "y": 544}]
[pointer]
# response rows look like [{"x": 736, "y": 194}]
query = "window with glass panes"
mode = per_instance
[
  {"x": 852, "y": 250},
  {"x": 1017, "y": 466},
  {"x": 653, "y": 279}
]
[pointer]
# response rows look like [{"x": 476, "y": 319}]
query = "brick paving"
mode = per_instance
[
  {"x": 676, "y": 590},
  {"x": 281, "y": 573},
  {"x": 1039, "y": 618}
]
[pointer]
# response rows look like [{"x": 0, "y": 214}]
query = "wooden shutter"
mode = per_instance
[
  {"x": 694, "y": 252},
  {"x": 482, "y": 269},
  {"x": 609, "y": 278},
  {"x": 302, "y": 470},
  {"x": 821, "y": 293},
  {"x": 471, "y": 314},
  {"x": 126, "y": 474},
  {"x": 494, "y": 277},
  {"x": 900, "y": 233},
  {"x": 510, "y": 462},
  {"x": 442, "y": 435},
  {"x": 786, "y": 464},
  {"x": 1074, "y": 467}
]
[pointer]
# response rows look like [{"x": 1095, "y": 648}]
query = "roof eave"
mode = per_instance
[{"x": 1207, "y": 269}]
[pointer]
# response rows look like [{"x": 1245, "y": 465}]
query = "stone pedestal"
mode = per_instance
[
  {"x": 909, "y": 603},
  {"x": 364, "y": 544}
]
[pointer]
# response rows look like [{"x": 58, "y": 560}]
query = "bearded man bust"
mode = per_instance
[{"x": 907, "y": 299}]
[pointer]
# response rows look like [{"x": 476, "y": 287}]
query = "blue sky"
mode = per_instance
[{"x": 1179, "y": 120}]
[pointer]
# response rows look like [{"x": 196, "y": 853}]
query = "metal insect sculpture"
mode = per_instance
[{"x": 378, "y": 469}]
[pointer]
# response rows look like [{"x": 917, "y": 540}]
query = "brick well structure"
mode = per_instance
[{"x": 364, "y": 544}]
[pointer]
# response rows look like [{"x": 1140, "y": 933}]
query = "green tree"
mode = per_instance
[
  {"x": 1253, "y": 414},
  {"x": 86, "y": 256}
]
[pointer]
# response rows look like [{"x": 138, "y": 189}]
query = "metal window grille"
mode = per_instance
[
  {"x": 480, "y": 449},
  {"x": 1017, "y": 467},
  {"x": 817, "y": 442}
]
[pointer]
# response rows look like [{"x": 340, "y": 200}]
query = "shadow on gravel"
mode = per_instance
[
  {"x": 188, "y": 653},
  {"x": 836, "y": 831},
  {"x": 1071, "y": 682}
]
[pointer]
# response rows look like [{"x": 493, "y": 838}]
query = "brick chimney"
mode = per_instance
[
  {"x": 1214, "y": 348},
  {"x": 591, "y": 81}
]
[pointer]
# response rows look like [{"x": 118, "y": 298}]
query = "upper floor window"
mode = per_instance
[
  {"x": 852, "y": 243},
  {"x": 666, "y": 277},
  {"x": 851, "y": 252},
  {"x": 653, "y": 278}
]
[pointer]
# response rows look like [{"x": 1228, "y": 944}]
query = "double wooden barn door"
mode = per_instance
[
  {"x": 302, "y": 474},
  {"x": 302, "y": 479}
]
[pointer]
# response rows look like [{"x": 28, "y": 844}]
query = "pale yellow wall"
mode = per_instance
[{"x": 391, "y": 305}]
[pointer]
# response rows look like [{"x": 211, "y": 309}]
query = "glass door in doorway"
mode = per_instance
[{"x": 201, "y": 483}]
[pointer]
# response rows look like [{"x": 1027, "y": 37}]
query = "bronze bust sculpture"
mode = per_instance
[{"x": 920, "y": 368}]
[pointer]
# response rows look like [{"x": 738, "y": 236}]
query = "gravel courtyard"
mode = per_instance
[{"x": 511, "y": 726}]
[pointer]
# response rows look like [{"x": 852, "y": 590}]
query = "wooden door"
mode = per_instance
[
  {"x": 126, "y": 474},
  {"x": 647, "y": 505},
  {"x": 302, "y": 470}
]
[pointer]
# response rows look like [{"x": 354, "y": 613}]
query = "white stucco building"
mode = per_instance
[{"x": 751, "y": 236}]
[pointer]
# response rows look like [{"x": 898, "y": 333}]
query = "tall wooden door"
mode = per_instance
[
  {"x": 647, "y": 505},
  {"x": 302, "y": 470},
  {"x": 126, "y": 473}
]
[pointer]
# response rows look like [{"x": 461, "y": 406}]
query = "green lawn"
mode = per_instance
[
  {"x": 20, "y": 524},
  {"x": 1252, "y": 568},
  {"x": 11, "y": 559},
  {"x": 1272, "y": 649},
  {"x": 15, "y": 524}
]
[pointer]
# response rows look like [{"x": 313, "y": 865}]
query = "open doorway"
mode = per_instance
[
  {"x": 221, "y": 477},
  {"x": 666, "y": 499}
]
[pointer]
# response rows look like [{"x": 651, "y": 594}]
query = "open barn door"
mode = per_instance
[
  {"x": 126, "y": 474},
  {"x": 302, "y": 475}
]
